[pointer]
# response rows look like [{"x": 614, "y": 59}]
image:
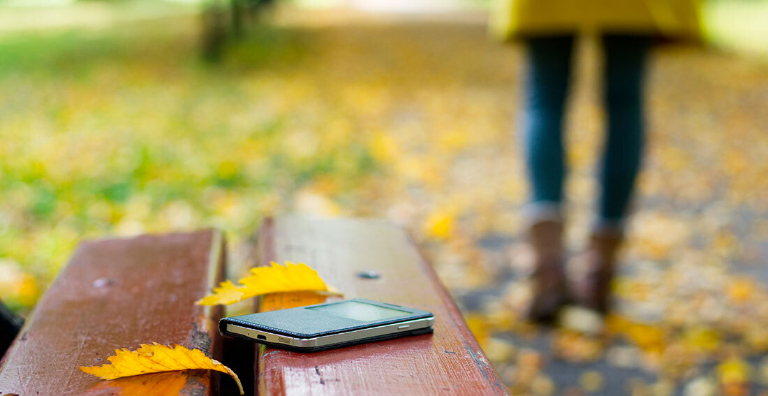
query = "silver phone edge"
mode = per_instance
[{"x": 331, "y": 339}]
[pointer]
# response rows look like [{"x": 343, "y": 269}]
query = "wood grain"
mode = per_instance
[
  {"x": 120, "y": 293},
  {"x": 446, "y": 362}
]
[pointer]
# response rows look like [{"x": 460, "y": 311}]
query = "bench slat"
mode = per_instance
[
  {"x": 119, "y": 293},
  {"x": 448, "y": 362}
]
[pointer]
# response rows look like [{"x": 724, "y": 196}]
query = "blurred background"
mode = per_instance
[{"x": 124, "y": 117}]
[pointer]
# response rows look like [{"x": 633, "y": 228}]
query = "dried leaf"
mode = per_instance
[
  {"x": 157, "y": 358},
  {"x": 264, "y": 280}
]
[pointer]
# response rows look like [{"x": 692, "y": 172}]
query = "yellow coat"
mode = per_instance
[{"x": 668, "y": 18}]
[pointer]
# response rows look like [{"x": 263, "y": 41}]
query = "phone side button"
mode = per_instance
[{"x": 403, "y": 327}]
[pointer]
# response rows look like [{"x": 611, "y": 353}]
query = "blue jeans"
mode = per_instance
[{"x": 546, "y": 89}]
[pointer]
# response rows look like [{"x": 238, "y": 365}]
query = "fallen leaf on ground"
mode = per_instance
[
  {"x": 441, "y": 224},
  {"x": 157, "y": 358},
  {"x": 264, "y": 280}
]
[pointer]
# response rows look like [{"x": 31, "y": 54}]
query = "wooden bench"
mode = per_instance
[
  {"x": 449, "y": 361},
  {"x": 120, "y": 293},
  {"x": 124, "y": 292}
]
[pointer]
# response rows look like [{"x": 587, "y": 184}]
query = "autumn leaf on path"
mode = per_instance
[
  {"x": 157, "y": 358},
  {"x": 264, "y": 280}
]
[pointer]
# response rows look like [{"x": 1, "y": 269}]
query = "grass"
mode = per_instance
[{"x": 124, "y": 131}]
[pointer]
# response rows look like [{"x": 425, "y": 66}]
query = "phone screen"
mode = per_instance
[{"x": 356, "y": 310}]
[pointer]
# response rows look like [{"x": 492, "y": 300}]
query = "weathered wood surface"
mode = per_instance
[
  {"x": 447, "y": 362},
  {"x": 119, "y": 293}
]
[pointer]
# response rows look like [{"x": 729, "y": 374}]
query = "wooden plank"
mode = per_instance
[
  {"x": 449, "y": 361},
  {"x": 120, "y": 293}
]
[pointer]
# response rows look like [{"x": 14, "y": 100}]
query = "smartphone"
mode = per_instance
[{"x": 331, "y": 325}]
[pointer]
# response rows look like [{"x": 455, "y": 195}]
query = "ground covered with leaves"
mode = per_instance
[{"x": 123, "y": 131}]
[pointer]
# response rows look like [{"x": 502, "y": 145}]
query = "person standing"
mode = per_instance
[{"x": 627, "y": 29}]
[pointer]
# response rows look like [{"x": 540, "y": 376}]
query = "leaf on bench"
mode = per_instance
[
  {"x": 225, "y": 293},
  {"x": 264, "y": 280},
  {"x": 154, "y": 384},
  {"x": 157, "y": 358}
]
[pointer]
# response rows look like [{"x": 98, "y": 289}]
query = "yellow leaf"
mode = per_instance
[
  {"x": 741, "y": 290},
  {"x": 278, "y": 301},
  {"x": 157, "y": 358},
  {"x": 264, "y": 280},
  {"x": 701, "y": 339},
  {"x": 733, "y": 370},
  {"x": 441, "y": 224},
  {"x": 155, "y": 384},
  {"x": 383, "y": 147},
  {"x": 478, "y": 327},
  {"x": 225, "y": 293}
]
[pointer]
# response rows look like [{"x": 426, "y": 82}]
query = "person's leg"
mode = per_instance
[
  {"x": 546, "y": 87},
  {"x": 625, "y": 59}
]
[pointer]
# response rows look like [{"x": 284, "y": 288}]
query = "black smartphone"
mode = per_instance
[{"x": 330, "y": 325}]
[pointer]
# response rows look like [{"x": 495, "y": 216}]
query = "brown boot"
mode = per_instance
[
  {"x": 549, "y": 282},
  {"x": 592, "y": 289}
]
